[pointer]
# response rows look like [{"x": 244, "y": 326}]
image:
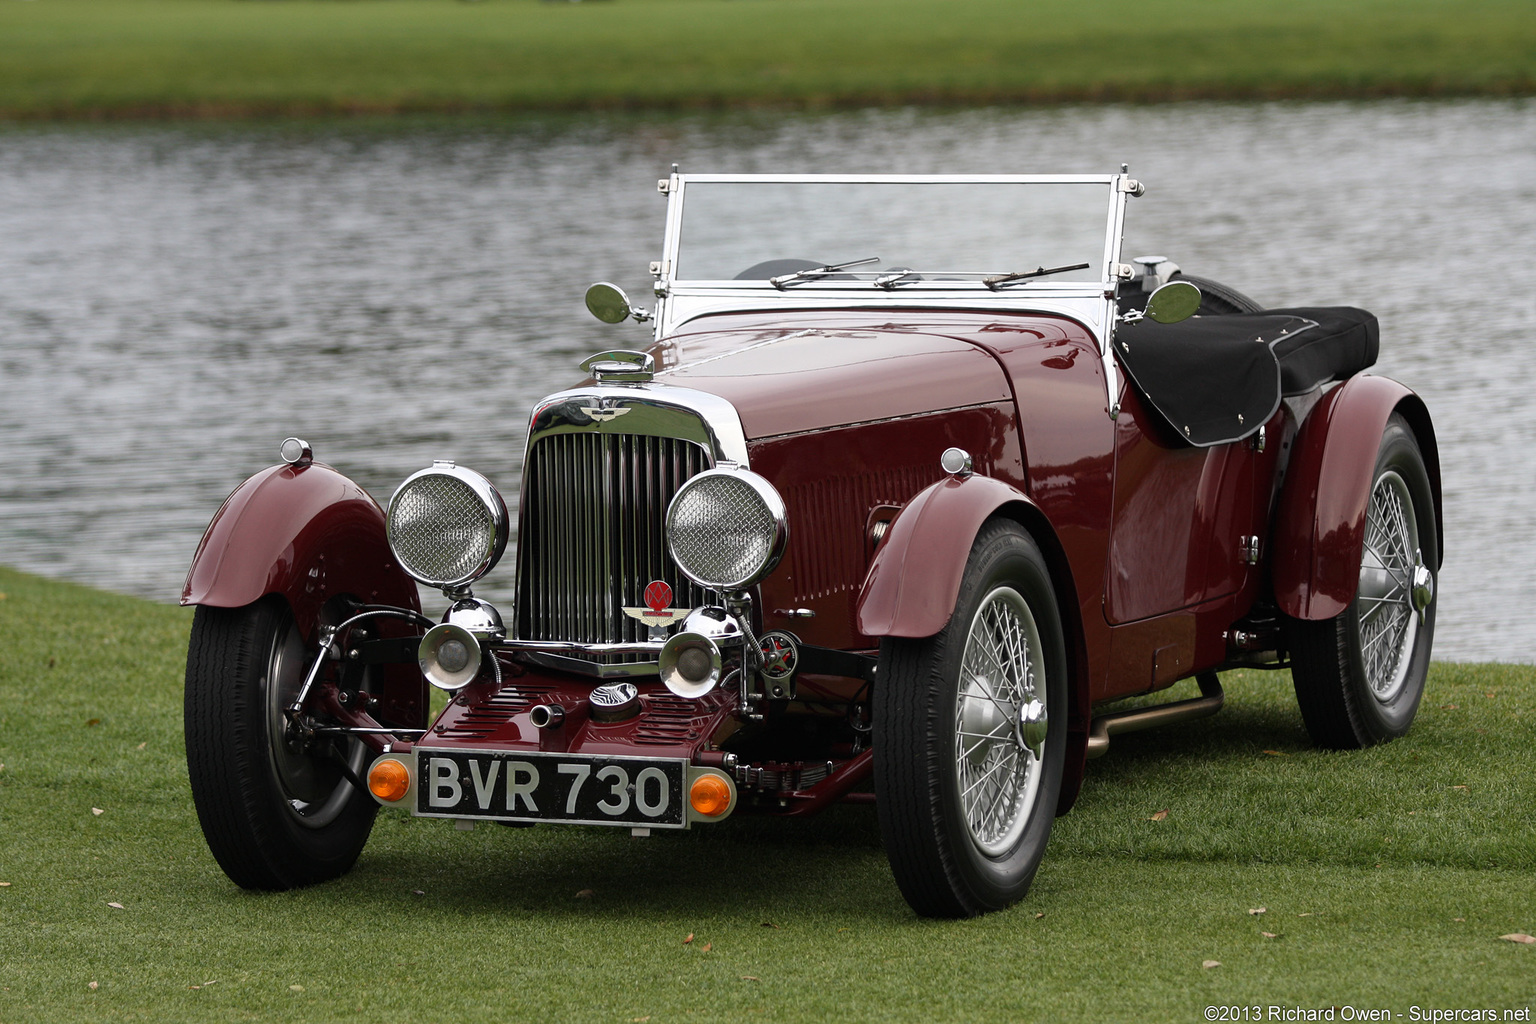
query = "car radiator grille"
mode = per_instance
[{"x": 593, "y": 536}]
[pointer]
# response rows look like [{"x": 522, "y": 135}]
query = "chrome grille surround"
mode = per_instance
[{"x": 602, "y": 465}]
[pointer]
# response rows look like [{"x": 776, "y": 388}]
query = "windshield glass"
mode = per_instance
[{"x": 942, "y": 231}]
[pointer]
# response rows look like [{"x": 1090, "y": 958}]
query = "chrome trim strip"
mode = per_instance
[
  {"x": 915, "y": 179},
  {"x": 366, "y": 730},
  {"x": 1123, "y": 190},
  {"x": 585, "y": 666},
  {"x": 1087, "y": 307},
  {"x": 652, "y": 647}
]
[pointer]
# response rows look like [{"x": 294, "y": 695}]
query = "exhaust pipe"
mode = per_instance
[
  {"x": 1208, "y": 703},
  {"x": 546, "y": 716}
]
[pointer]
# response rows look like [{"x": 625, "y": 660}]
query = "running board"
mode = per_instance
[{"x": 1207, "y": 704}]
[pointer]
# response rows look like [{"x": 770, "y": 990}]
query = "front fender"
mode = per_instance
[
  {"x": 1320, "y": 523},
  {"x": 304, "y": 532},
  {"x": 914, "y": 581}
]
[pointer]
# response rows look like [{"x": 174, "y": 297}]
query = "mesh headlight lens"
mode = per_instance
[
  {"x": 726, "y": 528},
  {"x": 447, "y": 525}
]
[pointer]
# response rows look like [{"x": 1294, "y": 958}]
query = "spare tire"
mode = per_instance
[{"x": 1217, "y": 298}]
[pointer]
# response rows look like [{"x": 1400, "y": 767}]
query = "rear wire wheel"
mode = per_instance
[
  {"x": 970, "y": 736},
  {"x": 1360, "y": 676},
  {"x": 276, "y": 815}
]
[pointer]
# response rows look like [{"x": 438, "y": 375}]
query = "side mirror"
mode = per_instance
[
  {"x": 609, "y": 304},
  {"x": 1173, "y": 302}
]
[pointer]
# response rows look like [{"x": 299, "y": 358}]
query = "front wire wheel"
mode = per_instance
[
  {"x": 1360, "y": 675},
  {"x": 277, "y": 814},
  {"x": 970, "y": 734},
  {"x": 999, "y": 721}
]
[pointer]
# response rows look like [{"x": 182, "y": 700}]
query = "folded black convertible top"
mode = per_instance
[{"x": 1217, "y": 379}]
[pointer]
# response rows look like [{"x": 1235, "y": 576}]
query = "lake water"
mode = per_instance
[{"x": 174, "y": 300}]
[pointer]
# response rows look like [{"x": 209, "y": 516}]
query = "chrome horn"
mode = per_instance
[
  {"x": 690, "y": 664},
  {"x": 449, "y": 656},
  {"x": 690, "y": 661}
]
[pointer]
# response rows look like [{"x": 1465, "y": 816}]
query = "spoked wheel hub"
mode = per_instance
[
  {"x": 1000, "y": 721},
  {"x": 1395, "y": 586}
]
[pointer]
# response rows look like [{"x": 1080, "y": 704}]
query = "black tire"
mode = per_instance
[
  {"x": 950, "y": 857},
  {"x": 274, "y": 817},
  {"x": 1360, "y": 675},
  {"x": 1217, "y": 299}
]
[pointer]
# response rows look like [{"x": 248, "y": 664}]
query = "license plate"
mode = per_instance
[{"x": 523, "y": 786}]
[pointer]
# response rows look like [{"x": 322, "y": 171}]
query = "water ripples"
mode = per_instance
[{"x": 174, "y": 300}]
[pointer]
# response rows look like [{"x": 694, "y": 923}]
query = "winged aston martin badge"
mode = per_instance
[
  {"x": 656, "y": 614},
  {"x": 604, "y": 411}
]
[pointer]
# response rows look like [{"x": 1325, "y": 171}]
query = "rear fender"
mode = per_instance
[
  {"x": 1319, "y": 531},
  {"x": 914, "y": 582}
]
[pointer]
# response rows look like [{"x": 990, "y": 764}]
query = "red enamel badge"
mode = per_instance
[{"x": 658, "y": 596}]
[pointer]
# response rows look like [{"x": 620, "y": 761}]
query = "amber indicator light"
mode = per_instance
[
  {"x": 710, "y": 795},
  {"x": 389, "y": 780}
]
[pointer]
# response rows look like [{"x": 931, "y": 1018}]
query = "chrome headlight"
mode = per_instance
[
  {"x": 726, "y": 528},
  {"x": 447, "y": 525}
]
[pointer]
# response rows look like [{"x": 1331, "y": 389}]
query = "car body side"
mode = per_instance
[
  {"x": 1144, "y": 529},
  {"x": 847, "y": 414},
  {"x": 848, "y": 417},
  {"x": 992, "y": 535}
]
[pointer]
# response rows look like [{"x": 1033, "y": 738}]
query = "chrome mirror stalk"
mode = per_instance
[{"x": 609, "y": 304}]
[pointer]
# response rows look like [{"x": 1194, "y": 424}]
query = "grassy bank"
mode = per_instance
[
  {"x": 128, "y": 58},
  {"x": 1386, "y": 877}
]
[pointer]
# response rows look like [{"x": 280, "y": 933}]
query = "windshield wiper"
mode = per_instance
[
  {"x": 831, "y": 268},
  {"x": 890, "y": 280},
  {"x": 997, "y": 282}
]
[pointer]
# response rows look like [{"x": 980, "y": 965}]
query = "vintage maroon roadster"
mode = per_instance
[{"x": 915, "y": 481}]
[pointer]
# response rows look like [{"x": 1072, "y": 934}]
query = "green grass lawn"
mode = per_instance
[
  {"x": 124, "y": 58},
  {"x": 1386, "y": 877}
]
